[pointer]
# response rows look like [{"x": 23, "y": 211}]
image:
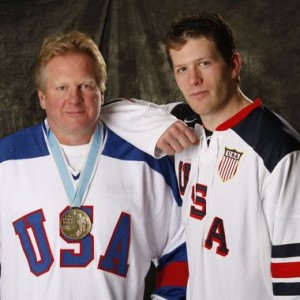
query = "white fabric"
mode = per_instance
[
  {"x": 128, "y": 198},
  {"x": 246, "y": 184},
  {"x": 142, "y": 128}
]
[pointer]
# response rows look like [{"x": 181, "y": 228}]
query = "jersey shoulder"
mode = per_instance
[
  {"x": 118, "y": 148},
  {"x": 184, "y": 112},
  {"x": 271, "y": 137},
  {"x": 24, "y": 144}
]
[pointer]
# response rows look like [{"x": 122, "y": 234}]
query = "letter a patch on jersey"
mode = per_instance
[{"x": 229, "y": 163}]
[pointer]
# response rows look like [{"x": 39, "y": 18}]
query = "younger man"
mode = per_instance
[{"x": 240, "y": 185}]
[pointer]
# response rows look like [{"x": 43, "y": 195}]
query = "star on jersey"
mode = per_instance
[{"x": 229, "y": 163}]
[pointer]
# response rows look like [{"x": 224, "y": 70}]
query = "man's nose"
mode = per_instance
[
  {"x": 75, "y": 95},
  {"x": 195, "y": 76}
]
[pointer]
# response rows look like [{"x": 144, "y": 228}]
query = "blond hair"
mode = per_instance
[{"x": 74, "y": 41}]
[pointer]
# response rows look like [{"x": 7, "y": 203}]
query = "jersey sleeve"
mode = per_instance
[
  {"x": 282, "y": 210},
  {"x": 172, "y": 274},
  {"x": 166, "y": 235},
  {"x": 139, "y": 122}
]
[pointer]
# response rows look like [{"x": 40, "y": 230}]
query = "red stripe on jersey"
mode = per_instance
[
  {"x": 238, "y": 117},
  {"x": 285, "y": 270},
  {"x": 174, "y": 274}
]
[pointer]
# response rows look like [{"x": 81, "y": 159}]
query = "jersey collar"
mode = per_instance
[{"x": 238, "y": 117}]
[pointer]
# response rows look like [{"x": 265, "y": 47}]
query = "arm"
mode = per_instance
[
  {"x": 172, "y": 275},
  {"x": 148, "y": 126},
  {"x": 282, "y": 210},
  {"x": 166, "y": 234}
]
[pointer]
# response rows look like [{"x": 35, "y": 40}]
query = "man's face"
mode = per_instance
[
  {"x": 204, "y": 78},
  {"x": 71, "y": 98}
]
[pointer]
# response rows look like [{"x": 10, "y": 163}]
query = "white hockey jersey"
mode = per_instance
[
  {"x": 135, "y": 207},
  {"x": 241, "y": 205}
]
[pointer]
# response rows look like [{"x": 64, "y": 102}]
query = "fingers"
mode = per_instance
[
  {"x": 166, "y": 148},
  {"x": 176, "y": 138}
]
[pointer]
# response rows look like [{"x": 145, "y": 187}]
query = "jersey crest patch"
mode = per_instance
[{"x": 229, "y": 163}]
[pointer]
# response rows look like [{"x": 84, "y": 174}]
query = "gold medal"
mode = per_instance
[{"x": 75, "y": 224}]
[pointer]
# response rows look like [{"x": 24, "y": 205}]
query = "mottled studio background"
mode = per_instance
[{"x": 129, "y": 33}]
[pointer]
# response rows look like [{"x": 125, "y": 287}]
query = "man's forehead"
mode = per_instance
[{"x": 193, "y": 50}]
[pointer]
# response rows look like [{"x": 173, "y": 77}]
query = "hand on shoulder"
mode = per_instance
[{"x": 177, "y": 138}]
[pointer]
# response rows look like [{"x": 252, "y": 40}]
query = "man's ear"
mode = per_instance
[
  {"x": 102, "y": 98},
  {"x": 42, "y": 99},
  {"x": 236, "y": 63}
]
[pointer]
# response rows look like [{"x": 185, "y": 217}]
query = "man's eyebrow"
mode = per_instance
[{"x": 194, "y": 61}]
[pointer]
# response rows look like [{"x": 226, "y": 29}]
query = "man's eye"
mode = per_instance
[
  {"x": 181, "y": 70},
  {"x": 61, "y": 88},
  {"x": 204, "y": 63},
  {"x": 86, "y": 87}
]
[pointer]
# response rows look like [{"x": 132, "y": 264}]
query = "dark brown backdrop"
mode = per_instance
[{"x": 129, "y": 33}]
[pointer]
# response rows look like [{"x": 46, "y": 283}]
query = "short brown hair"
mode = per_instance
[{"x": 206, "y": 24}]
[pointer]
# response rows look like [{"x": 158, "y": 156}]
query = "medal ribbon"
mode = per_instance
[{"x": 76, "y": 196}]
